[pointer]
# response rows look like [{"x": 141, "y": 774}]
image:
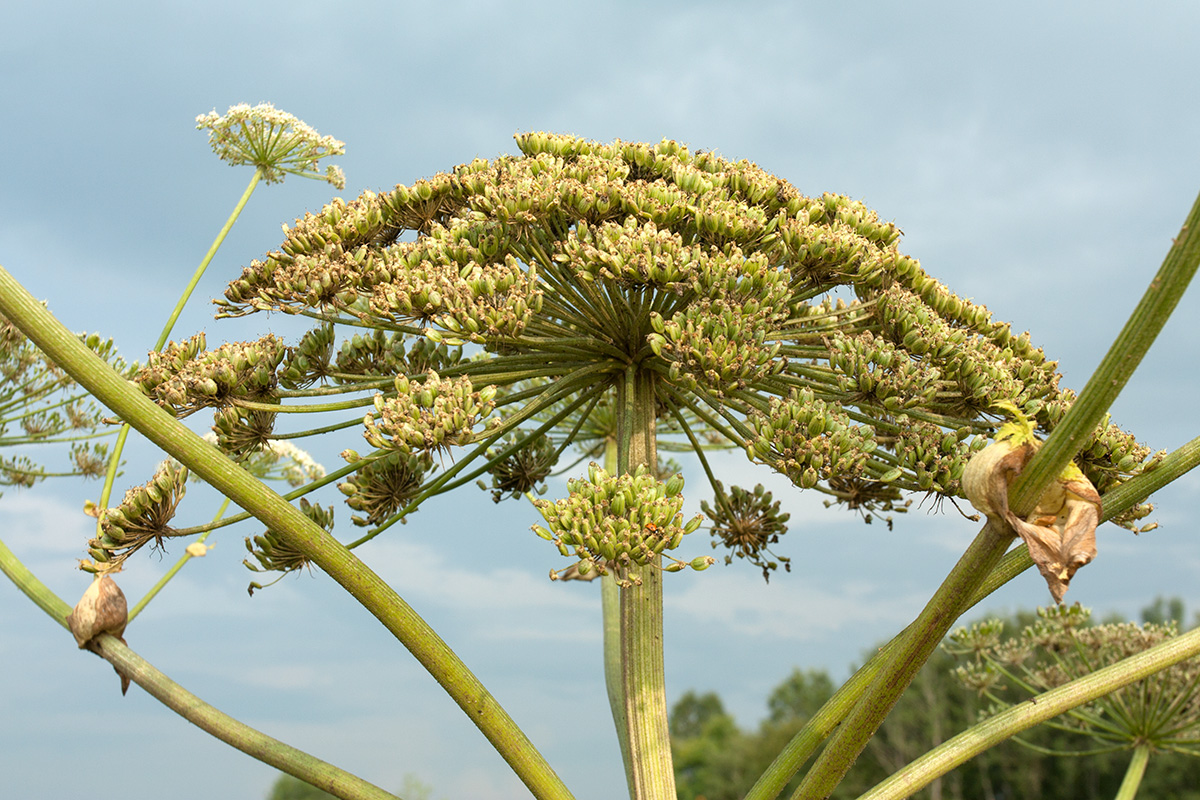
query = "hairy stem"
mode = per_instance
[
  {"x": 118, "y": 448},
  {"x": 250, "y": 741},
  {"x": 277, "y": 514},
  {"x": 644, "y": 683}
]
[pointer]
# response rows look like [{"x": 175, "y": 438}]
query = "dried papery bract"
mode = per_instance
[
  {"x": 102, "y": 609},
  {"x": 1061, "y": 531}
]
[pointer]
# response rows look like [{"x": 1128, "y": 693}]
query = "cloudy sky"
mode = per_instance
[{"x": 1039, "y": 158}]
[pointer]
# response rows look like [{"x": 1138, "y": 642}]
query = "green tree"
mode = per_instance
[
  {"x": 1162, "y": 611},
  {"x": 288, "y": 788},
  {"x": 800, "y": 696}
]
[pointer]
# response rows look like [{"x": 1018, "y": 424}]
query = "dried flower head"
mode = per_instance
[
  {"x": 274, "y": 141},
  {"x": 747, "y": 523},
  {"x": 142, "y": 518},
  {"x": 384, "y": 485},
  {"x": 273, "y": 552}
]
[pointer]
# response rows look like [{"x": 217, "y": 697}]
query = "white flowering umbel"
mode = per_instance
[{"x": 274, "y": 141}]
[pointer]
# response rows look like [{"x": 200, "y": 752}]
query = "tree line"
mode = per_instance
[{"x": 715, "y": 759}]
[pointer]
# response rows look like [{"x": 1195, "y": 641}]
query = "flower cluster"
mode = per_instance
[
  {"x": 283, "y": 460},
  {"x": 384, "y": 485},
  {"x": 614, "y": 523},
  {"x": 809, "y": 440},
  {"x": 274, "y": 141},
  {"x": 747, "y": 523},
  {"x": 1163, "y": 710},
  {"x": 142, "y": 518},
  {"x": 432, "y": 415}
]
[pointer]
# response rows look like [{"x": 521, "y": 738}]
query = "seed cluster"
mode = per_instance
[
  {"x": 614, "y": 524},
  {"x": 1061, "y": 645},
  {"x": 788, "y": 326},
  {"x": 427, "y": 416},
  {"x": 273, "y": 553},
  {"x": 142, "y": 518},
  {"x": 384, "y": 485},
  {"x": 185, "y": 377},
  {"x": 747, "y": 523}
]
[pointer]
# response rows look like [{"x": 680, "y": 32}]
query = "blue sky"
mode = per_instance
[{"x": 1039, "y": 158}]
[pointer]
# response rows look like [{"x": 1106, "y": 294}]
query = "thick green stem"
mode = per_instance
[
  {"x": 1134, "y": 773},
  {"x": 193, "y": 709},
  {"x": 610, "y": 609},
  {"x": 905, "y": 659},
  {"x": 1123, "y": 357},
  {"x": 644, "y": 683},
  {"x": 277, "y": 514},
  {"x": 1066, "y": 440},
  {"x": 1043, "y": 707}
]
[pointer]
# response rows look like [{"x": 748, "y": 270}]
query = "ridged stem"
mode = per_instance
[
  {"x": 278, "y": 515},
  {"x": 222, "y": 726},
  {"x": 644, "y": 682},
  {"x": 610, "y": 610},
  {"x": 969, "y": 574},
  {"x": 1036, "y": 710}
]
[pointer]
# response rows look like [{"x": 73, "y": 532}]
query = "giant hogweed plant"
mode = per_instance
[{"x": 602, "y": 302}]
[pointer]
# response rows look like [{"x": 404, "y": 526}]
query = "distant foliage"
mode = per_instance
[{"x": 717, "y": 760}]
